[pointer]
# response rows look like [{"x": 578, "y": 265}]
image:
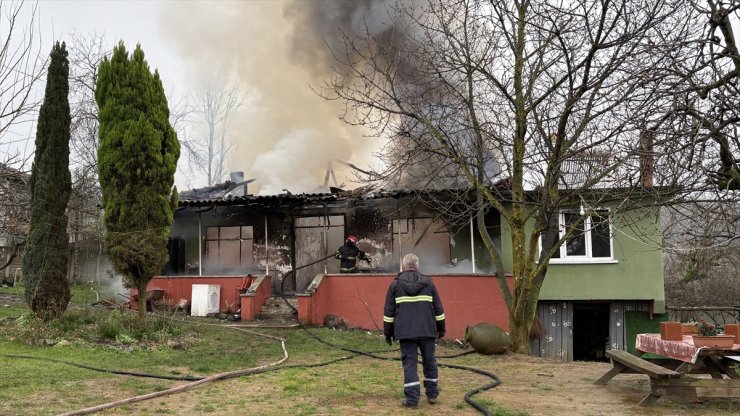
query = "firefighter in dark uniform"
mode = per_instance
[
  {"x": 348, "y": 255},
  {"x": 414, "y": 316}
]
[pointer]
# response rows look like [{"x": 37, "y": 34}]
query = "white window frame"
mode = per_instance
[{"x": 587, "y": 258}]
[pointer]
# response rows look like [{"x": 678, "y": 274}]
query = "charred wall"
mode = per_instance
[
  {"x": 302, "y": 232},
  {"x": 275, "y": 255}
]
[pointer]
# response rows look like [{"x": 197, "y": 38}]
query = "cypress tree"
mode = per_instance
[
  {"x": 46, "y": 253},
  {"x": 137, "y": 158}
]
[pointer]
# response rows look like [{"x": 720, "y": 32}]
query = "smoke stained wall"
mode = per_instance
[{"x": 276, "y": 50}]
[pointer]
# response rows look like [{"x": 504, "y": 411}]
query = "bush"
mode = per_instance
[
  {"x": 112, "y": 326},
  {"x": 94, "y": 325}
]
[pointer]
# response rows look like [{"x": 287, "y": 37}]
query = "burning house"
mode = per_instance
[{"x": 601, "y": 286}]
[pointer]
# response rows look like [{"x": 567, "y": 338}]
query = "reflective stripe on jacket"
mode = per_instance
[
  {"x": 413, "y": 308},
  {"x": 348, "y": 255}
]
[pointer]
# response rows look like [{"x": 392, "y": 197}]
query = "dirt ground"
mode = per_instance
[{"x": 529, "y": 384}]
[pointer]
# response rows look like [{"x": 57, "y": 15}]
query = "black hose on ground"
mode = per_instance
[
  {"x": 203, "y": 380},
  {"x": 102, "y": 370},
  {"x": 468, "y": 396}
]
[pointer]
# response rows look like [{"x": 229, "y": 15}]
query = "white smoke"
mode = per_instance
[
  {"x": 291, "y": 157},
  {"x": 286, "y": 134}
]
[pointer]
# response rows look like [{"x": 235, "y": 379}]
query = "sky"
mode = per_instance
[{"x": 273, "y": 50}]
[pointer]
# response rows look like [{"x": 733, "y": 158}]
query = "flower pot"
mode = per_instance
[
  {"x": 717, "y": 341},
  {"x": 671, "y": 331},
  {"x": 734, "y": 330},
  {"x": 688, "y": 329}
]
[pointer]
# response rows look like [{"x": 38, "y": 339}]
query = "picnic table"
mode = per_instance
[
  {"x": 714, "y": 361},
  {"x": 669, "y": 375}
]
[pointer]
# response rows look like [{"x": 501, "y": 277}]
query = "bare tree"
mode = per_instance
[
  {"x": 529, "y": 108},
  {"x": 22, "y": 64},
  {"x": 206, "y": 141},
  {"x": 705, "y": 79},
  {"x": 702, "y": 256},
  {"x": 86, "y": 51},
  {"x": 14, "y": 197}
]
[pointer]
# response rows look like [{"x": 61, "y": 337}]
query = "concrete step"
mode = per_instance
[{"x": 275, "y": 309}]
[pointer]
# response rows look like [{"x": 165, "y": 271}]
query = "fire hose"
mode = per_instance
[{"x": 197, "y": 381}]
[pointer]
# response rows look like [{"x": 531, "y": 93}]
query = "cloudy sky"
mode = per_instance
[{"x": 274, "y": 50}]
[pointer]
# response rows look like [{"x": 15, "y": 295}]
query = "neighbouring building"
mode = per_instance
[
  {"x": 14, "y": 220},
  {"x": 87, "y": 260}
]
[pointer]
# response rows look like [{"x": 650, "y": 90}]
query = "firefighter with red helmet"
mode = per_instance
[{"x": 348, "y": 255}]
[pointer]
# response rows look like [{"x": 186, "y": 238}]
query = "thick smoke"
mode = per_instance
[
  {"x": 277, "y": 50},
  {"x": 325, "y": 22}
]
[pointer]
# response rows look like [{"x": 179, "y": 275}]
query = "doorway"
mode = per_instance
[
  {"x": 590, "y": 331},
  {"x": 315, "y": 238}
]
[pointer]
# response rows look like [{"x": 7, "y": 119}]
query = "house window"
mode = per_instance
[
  {"x": 230, "y": 247},
  {"x": 591, "y": 240}
]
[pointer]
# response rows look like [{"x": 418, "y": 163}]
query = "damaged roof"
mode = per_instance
[{"x": 221, "y": 194}]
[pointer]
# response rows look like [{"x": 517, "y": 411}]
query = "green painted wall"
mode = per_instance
[{"x": 637, "y": 274}]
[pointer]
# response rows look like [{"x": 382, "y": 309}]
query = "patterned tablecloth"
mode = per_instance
[{"x": 680, "y": 350}]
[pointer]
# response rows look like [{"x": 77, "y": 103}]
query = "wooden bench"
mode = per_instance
[
  {"x": 624, "y": 362},
  {"x": 666, "y": 382},
  {"x": 692, "y": 387}
]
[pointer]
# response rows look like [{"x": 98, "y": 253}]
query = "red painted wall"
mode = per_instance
[
  {"x": 253, "y": 301},
  {"x": 359, "y": 299},
  {"x": 181, "y": 287}
]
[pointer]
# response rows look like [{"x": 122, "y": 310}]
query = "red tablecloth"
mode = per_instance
[{"x": 680, "y": 350}]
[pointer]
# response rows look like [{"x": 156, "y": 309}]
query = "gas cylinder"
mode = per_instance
[{"x": 487, "y": 338}]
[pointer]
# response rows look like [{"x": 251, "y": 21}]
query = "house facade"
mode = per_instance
[
  {"x": 605, "y": 282},
  {"x": 606, "y": 285}
]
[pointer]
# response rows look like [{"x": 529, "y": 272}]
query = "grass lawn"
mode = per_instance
[
  {"x": 82, "y": 295},
  {"x": 360, "y": 385}
]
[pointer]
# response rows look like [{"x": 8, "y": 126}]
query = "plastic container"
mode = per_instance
[
  {"x": 733, "y": 329},
  {"x": 671, "y": 331}
]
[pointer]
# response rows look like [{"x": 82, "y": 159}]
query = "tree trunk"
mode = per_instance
[
  {"x": 141, "y": 287},
  {"x": 519, "y": 331}
]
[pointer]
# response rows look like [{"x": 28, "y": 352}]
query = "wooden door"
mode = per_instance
[{"x": 316, "y": 237}]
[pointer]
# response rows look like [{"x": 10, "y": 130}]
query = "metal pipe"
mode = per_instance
[
  {"x": 472, "y": 245},
  {"x": 267, "y": 256},
  {"x": 327, "y": 223},
  {"x": 400, "y": 252},
  {"x": 200, "y": 247}
]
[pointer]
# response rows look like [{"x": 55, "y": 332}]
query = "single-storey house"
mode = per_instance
[{"x": 605, "y": 284}]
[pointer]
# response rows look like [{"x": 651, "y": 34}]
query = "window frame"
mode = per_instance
[
  {"x": 588, "y": 257},
  {"x": 246, "y": 234}
]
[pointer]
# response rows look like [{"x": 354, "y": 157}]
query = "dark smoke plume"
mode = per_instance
[{"x": 277, "y": 50}]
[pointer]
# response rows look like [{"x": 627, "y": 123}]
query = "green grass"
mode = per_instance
[
  {"x": 360, "y": 385},
  {"x": 77, "y": 338},
  {"x": 82, "y": 295}
]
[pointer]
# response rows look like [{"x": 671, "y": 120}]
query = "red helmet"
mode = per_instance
[{"x": 352, "y": 239}]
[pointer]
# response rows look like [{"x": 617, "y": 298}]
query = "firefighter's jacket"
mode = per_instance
[
  {"x": 413, "y": 309},
  {"x": 348, "y": 255}
]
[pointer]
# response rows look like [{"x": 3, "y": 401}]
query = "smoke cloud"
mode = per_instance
[{"x": 276, "y": 50}]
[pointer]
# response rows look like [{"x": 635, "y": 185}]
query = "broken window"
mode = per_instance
[
  {"x": 426, "y": 237},
  {"x": 230, "y": 248}
]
